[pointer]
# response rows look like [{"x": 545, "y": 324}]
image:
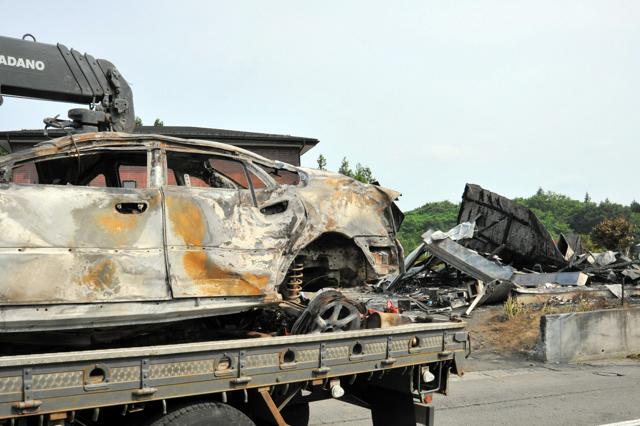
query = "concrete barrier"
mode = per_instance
[{"x": 581, "y": 336}]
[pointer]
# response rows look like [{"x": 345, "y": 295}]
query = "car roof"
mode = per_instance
[{"x": 89, "y": 141}]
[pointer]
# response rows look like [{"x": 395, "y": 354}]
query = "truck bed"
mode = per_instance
[{"x": 72, "y": 381}]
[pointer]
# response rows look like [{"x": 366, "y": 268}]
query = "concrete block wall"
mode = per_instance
[{"x": 582, "y": 336}]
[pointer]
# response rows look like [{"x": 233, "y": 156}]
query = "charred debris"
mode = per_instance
[{"x": 500, "y": 249}]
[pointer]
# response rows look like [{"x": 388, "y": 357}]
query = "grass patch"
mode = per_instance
[
  {"x": 514, "y": 327},
  {"x": 513, "y": 309}
]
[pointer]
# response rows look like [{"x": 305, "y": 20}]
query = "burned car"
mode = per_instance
[{"x": 110, "y": 229}]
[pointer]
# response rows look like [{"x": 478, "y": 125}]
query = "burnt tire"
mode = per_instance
[{"x": 204, "y": 414}]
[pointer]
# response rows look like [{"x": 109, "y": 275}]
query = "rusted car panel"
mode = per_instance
[
  {"x": 176, "y": 249},
  {"x": 221, "y": 245},
  {"x": 337, "y": 203},
  {"x": 69, "y": 244},
  {"x": 341, "y": 206}
]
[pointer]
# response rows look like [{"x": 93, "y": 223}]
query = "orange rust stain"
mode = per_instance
[
  {"x": 331, "y": 223},
  {"x": 198, "y": 267},
  {"x": 186, "y": 218},
  {"x": 100, "y": 276},
  {"x": 113, "y": 222},
  {"x": 260, "y": 281},
  {"x": 335, "y": 182},
  {"x": 212, "y": 280},
  {"x": 343, "y": 196}
]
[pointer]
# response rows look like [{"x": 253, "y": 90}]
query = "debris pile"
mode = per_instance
[{"x": 500, "y": 248}]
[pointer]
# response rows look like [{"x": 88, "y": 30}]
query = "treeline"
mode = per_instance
[
  {"x": 361, "y": 172},
  {"x": 604, "y": 225},
  {"x": 440, "y": 215},
  {"x": 156, "y": 123}
]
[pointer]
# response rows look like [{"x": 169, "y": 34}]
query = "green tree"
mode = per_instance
[
  {"x": 554, "y": 224},
  {"x": 557, "y": 212},
  {"x": 345, "y": 168},
  {"x": 322, "y": 162},
  {"x": 158, "y": 123},
  {"x": 554, "y": 210},
  {"x": 587, "y": 197},
  {"x": 611, "y": 210},
  {"x": 614, "y": 234},
  {"x": 363, "y": 174},
  {"x": 440, "y": 215},
  {"x": 583, "y": 219},
  {"x": 634, "y": 218},
  {"x": 588, "y": 244},
  {"x": 139, "y": 122}
]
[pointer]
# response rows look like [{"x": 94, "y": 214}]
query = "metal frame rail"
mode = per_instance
[{"x": 71, "y": 381}]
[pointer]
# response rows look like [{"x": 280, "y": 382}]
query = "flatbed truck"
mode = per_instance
[{"x": 269, "y": 380}]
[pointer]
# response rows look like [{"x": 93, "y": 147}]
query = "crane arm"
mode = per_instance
[{"x": 52, "y": 72}]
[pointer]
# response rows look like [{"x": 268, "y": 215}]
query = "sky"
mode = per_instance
[{"x": 512, "y": 95}]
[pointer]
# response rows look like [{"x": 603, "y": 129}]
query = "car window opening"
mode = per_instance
[
  {"x": 256, "y": 181},
  {"x": 132, "y": 176},
  {"x": 282, "y": 176},
  {"x": 100, "y": 170},
  {"x": 202, "y": 170}
]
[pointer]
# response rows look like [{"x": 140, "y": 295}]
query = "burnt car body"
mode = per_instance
[{"x": 112, "y": 229}]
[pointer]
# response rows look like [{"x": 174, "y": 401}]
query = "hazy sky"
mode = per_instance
[{"x": 512, "y": 95}]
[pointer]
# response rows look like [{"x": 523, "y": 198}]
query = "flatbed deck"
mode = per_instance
[{"x": 70, "y": 381}]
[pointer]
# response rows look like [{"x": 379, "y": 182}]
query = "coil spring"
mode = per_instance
[{"x": 294, "y": 286}]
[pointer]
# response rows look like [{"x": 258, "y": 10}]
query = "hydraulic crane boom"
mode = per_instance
[{"x": 52, "y": 72}]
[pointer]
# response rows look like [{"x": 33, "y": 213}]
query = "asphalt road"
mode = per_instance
[{"x": 586, "y": 394}]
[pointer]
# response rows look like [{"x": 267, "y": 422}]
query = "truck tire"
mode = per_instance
[
  {"x": 297, "y": 414},
  {"x": 204, "y": 414}
]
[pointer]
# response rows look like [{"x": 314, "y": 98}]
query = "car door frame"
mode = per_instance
[
  {"x": 205, "y": 256},
  {"x": 94, "y": 252}
]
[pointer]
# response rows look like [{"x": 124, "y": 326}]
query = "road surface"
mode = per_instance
[{"x": 587, "y": 394}]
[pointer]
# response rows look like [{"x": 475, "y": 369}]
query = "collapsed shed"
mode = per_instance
[
  {"x": 500, "y": 247},
  {"x": 507, "y": 229}
]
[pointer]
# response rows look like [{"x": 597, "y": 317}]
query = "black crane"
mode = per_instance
[{"x": 30, "y": 69}]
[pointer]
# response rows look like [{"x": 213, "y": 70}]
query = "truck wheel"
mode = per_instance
[
  {"x": 297, "y": 414},
  {"x": 204, "y": 414}
]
